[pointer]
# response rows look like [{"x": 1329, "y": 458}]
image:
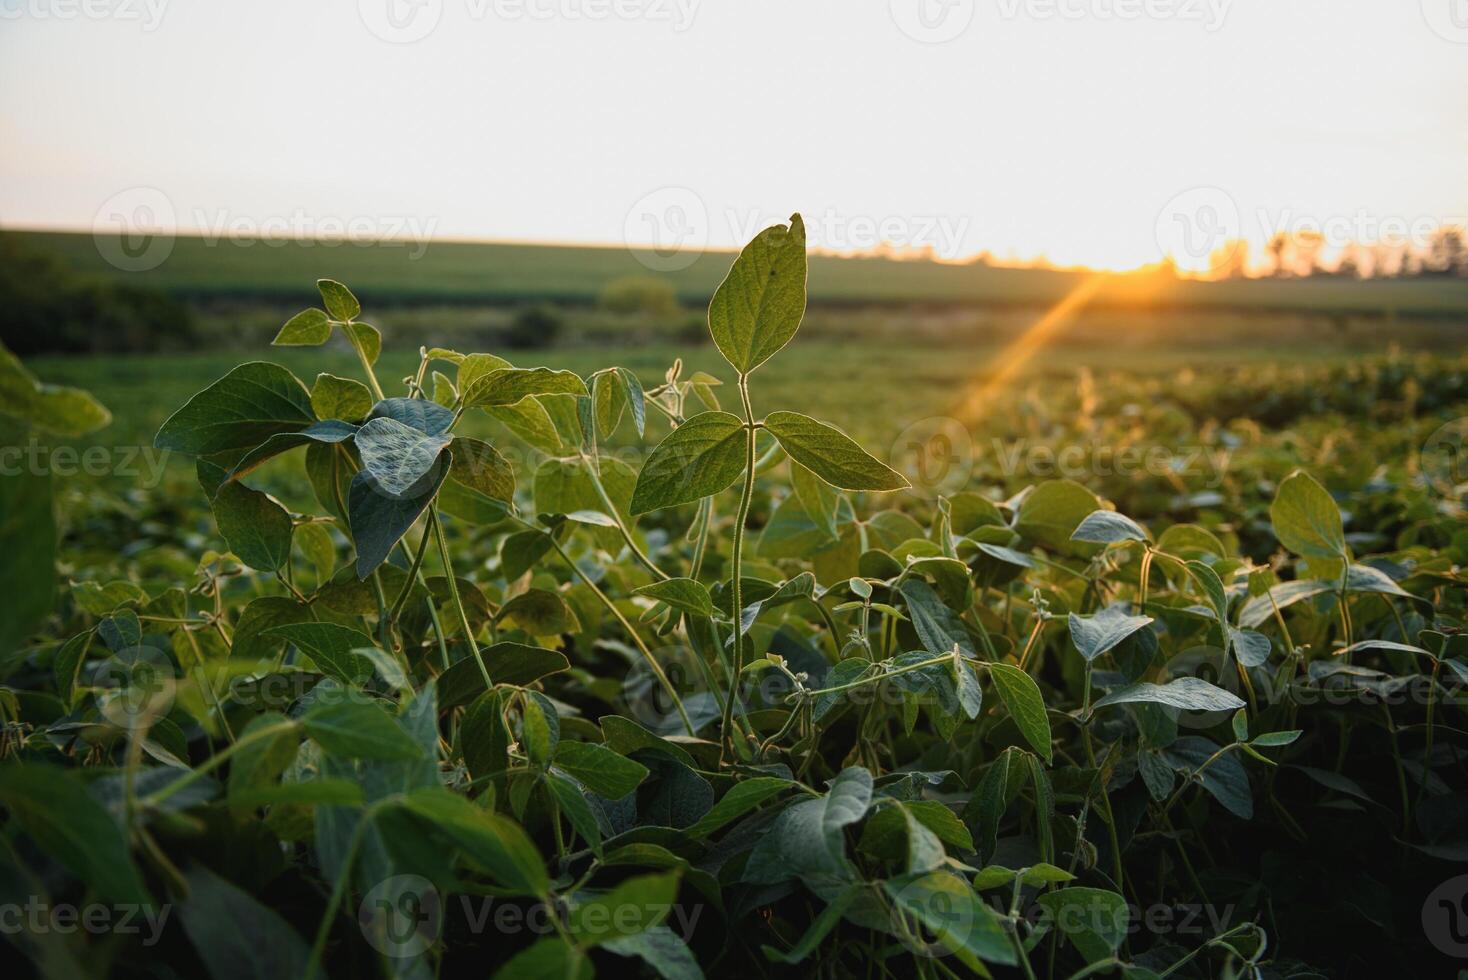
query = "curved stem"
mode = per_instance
[
  {"x": 448, "y": 571},
  {"x": 652, "y": 662},
  {"x": 621, "y": 525},
  {"x": 737, "y": 594}
]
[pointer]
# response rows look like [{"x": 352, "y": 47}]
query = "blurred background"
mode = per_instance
[{"x": 1022, "y": 213}]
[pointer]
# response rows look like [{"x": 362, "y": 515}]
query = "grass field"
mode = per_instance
[{"x": 506, "y": 273}]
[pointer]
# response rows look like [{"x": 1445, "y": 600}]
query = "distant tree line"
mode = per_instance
[{"x": 47, "y": 308}]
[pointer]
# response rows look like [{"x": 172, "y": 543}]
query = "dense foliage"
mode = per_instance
[{"x": 448, "y": 723}]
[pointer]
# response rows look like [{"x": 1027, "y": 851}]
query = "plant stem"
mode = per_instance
[
  {"x": 615, "y": 516},
  {"x": 448, "y": 570},
  {"x": 366, "y": 364},
  {"x": 250, "y": 738},
  {"x": 652, "y": 662},
  {"x": 745, "y": 496}
]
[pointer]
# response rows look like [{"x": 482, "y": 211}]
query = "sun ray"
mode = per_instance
[{"x": 1012, "y": 358}]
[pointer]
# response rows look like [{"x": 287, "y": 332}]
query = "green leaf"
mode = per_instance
[
  {"x": 257, "y": 528},
  {"x": 1051, "y": 512},
  {"x": 683, "y": 594},
  {"x": 540, "y": 728},
  {"x": 340, "y": 398},
  {"x": 338, "y": 300},
  {"x": 1102, "y": 632},
  {"x": 331, "y": 648},
  {"x": 241, "y": 410},
  {"x": 758, "y": 307},
  {"x": 1108, "y": 527},
  {"x": 367, "y": 338},
  {"x": 831, "y": 454},
  {"x": 950, "y": 909},
  {"x": 328, "y": 432},
  {"x": 54, "y": 808},
  {"x": 1212, "y": 588},
  {"x": 1185, "y": 693},
  {"x": 613, "y": 391},
  {"x": 488, "y": 840},
  {"x": 397, "y": 456},
  {"x": 817, "y": 499},
  {"x": 235, "y": 935},
  {"x": 27, "y": 555},
  {"x": 1093, "y": 919},
  {"x": 1306, "y": 519},
  {"x": 740, "y": 799},
  {"x": 1224, "y": 779},
  {"x": 479, "y": 466},
  {"x": 548, "y": 959},
  {"x": 1274, "y": 740},
  {"x": 540, "y": 613},
  {"x": 378, "y": 520},
  {"x": 1021, "y": 695},
  {"x": 637, "y": 904},
  {"x": 507, "y": 663},
  {"x": 506, "y": 386},
  {"x": 64, "y": 411},
  {"x": 251, "y": 639},
  {"x": 701, "y": 457},
  {"x": 308, "y": 328},
  {"x": 259, "y": 763},
  {"x": 572, "y": 801},
  {"x": 429, "y": 418},
  {"x": 599, "y": 769},
  {"x": 937, "y": 626},
  {"x": 529, "y": 420},
  {"x": 807, "y": 838},
  {"x": 359, "y": 729}
]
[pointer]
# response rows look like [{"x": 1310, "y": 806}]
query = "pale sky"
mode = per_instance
[{"x": 1063, "y": 127}]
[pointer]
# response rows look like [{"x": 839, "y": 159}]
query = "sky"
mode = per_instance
[{"x": 1100, "y": 132}]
